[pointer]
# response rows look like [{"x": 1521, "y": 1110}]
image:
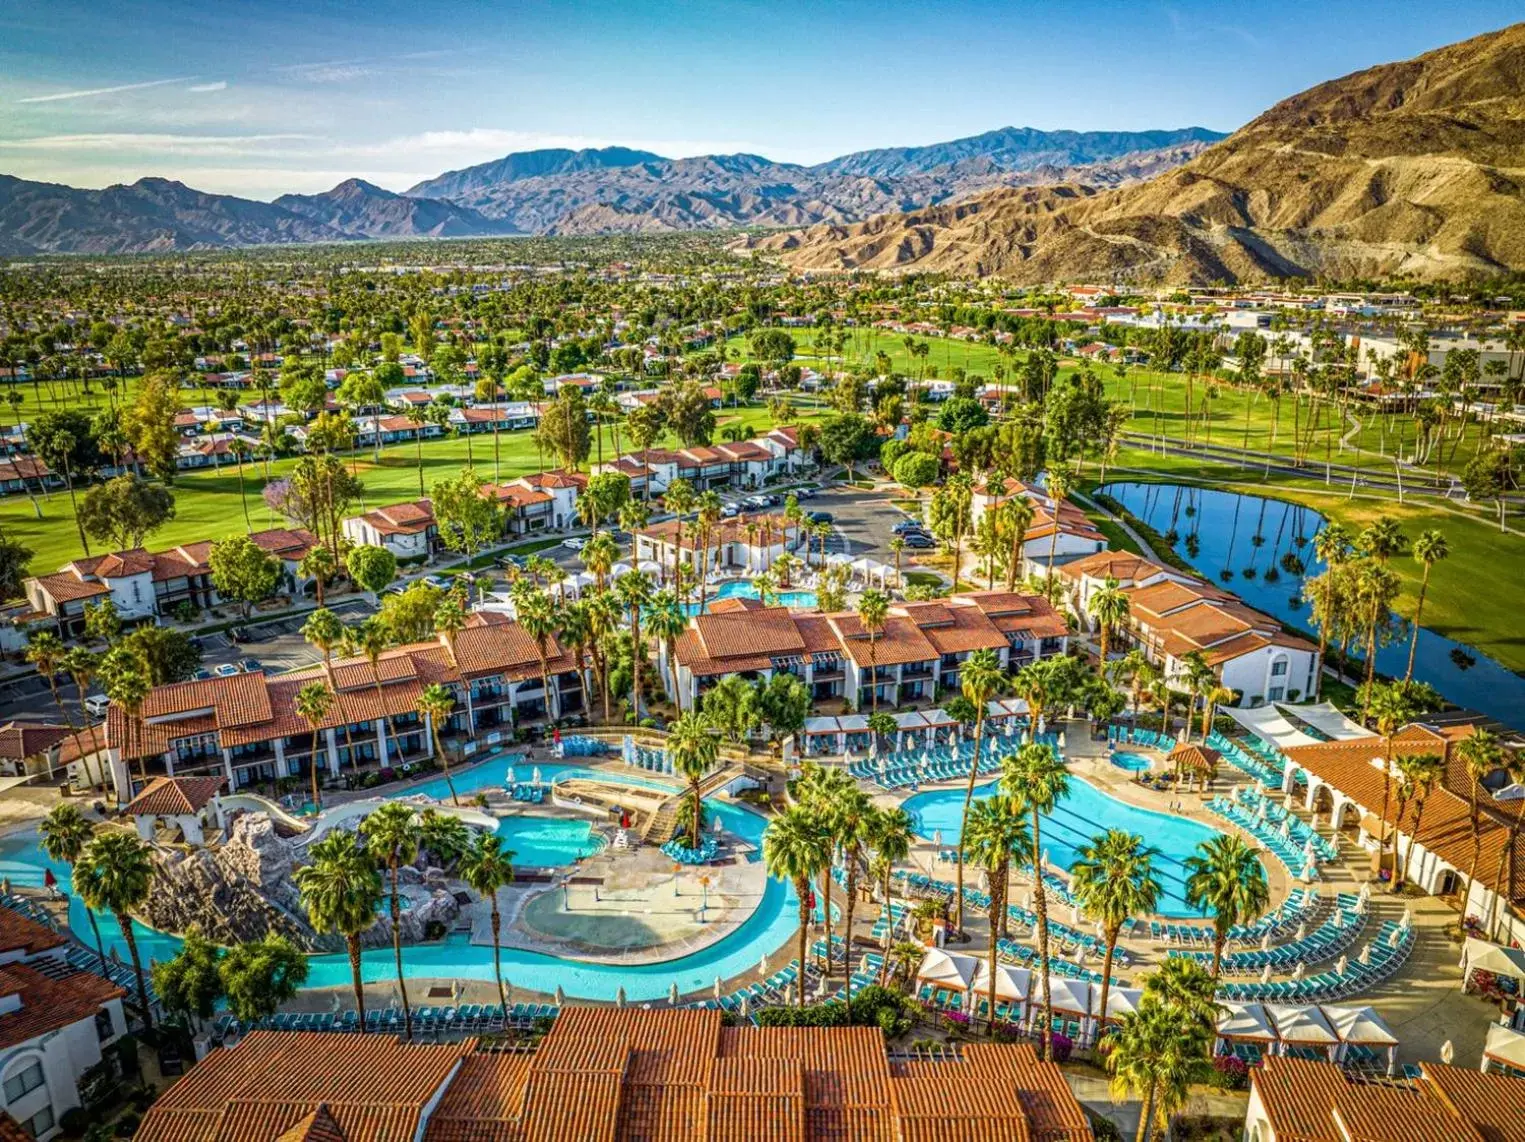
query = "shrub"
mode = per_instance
[
  {"x": 127, "y": 1125},
  {"x": 1063, "y": 1045},
  {"x": 1229, "y": 1072}
]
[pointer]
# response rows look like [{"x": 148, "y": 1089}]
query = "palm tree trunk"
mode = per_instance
[
  {"x": 696, "y": 818},
  {"x": 402, "y": 981},
  {"x": 1106, "y": 980},
  {"x": 352, "y": 945},
  {"x": 884, "y": 964},
  {"x": 1146, "y": 1113},
  {"x": 852, "y": 899},
  {"x": 1218, "y": 938},
  {"x": 1424, "y": 585},
  {"x": 974, "y": 769},
  {"x": 100, "y": 945},
  {"x": 635, "y": 663},
  {"x": 803, "y": 891},
  {"x": 124, "y": 922},
  {"x": 1040, "y": 906},
  {"x": 497, "y": 958},
  {"x": 826, "y": 913},
  {"x": 1477, "y": 852},
  {"x": 312, "y": 761}
]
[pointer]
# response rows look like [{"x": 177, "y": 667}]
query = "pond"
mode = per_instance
[{"x": 1249, "y": 536}]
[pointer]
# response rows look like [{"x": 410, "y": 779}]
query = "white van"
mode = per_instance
[{"x": 96, "y": 705}]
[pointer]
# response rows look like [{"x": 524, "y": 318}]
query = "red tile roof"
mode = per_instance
[
  {"x": 19, "y": 933},
  {"x": 174, "y": 796},
  {"x": 21, "y": 740},
  {"x": 49, "y": 1004}
]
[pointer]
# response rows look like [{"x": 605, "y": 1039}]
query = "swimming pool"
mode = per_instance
[
  {"x": 1083, "y": 814},
  {"x": 769, "y": 927},
  {"x": 741, "y": 589},
  {"x": 548, "y": 842},
  {"x": 1132, "y": 762}
]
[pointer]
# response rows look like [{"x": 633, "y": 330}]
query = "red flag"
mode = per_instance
[{"x": 48, "y": 879}]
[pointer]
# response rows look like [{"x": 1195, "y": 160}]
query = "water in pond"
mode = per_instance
[{"x": 1225, "y": 527}]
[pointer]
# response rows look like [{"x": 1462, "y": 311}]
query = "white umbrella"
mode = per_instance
[
  {"x": 1447, "y": 1052},
  {"x": 746, "y": 1006},
  {"x": 561, "y": 996},
  {"x": 672, "y": 993},
  {"x": 508, "y": 778},
  {"x": 1302, "y": 932},
  {"x": 1074, "y": 914},
  {"x": 1365, "y": 956},
  {"x": 537, "y": 775},
  {"x": 1265, "y": 942},
  {"x": 762, "y": 966},
  {"x": 1341, "y": 964},
  {"x": 789, "y": 993},
  {"x": 619, "y": 996},
  {"x": 1408, "y": 916},
  {"x": 1297, "y": 972},
  {"x": 937, "y": 837},
  {"x": 1265, "y": 974},
  {"x": 1260, "y": 811},
  {"x": 717, "y": 987},
  {"x": 1394, "y": 939},
  {"x": 1308, "y": 874}
]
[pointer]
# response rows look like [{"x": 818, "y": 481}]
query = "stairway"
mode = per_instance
[{"x": 664, "y": 822}]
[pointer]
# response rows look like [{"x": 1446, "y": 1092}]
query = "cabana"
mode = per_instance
[
  {"x": 822, "y": 735},
  {"x": 912, "y": 730},
  {"x": 941, "y": 724},
  {"x": 996, "y": 716},
  {"x": 1072, "y": 1004},
  {"x": 1198, "y": 762},
  {"x": 1481, "y": 956},
  {"x": 945, "y": 975},
  {"x": 1267, "y": 724},
  {"x": 1363, "y": 1033},
  {"x": 1504, "y": 1051},
  {"x": 855, "y": 735},
  {"x": 1328, "y": 721},
  {"x": 1245, "y": 1030},
  {"x": 1016, "y": 710},
  {"x": 1303, "y": 1031},
  {"x": 1120, "y": 1001},
  {"x": 1012, "y": 990},
  {"x": 871, "y": 569}
]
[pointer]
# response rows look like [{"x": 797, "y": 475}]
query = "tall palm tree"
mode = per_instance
[
  {"x": 1060, "y": 480},
  {"x": 850, "y": 825},
  {"x": 325, "y": 633},
  {"x": 679, "y": 499},
  {"x": 1019, "y": 517},
  {"x": 890, "y": 835},
  {"x": 797, "y": 849},
  {"x": 81, "y": 665},
  {"x": 312, "y": 705},
  {"x": 449, "y": 621},
  {"x": 540, "y": 620},
  {"x": 1215, "y": 697},
  {"x": 667, "y": 621},
  {"x": 1481, "y": 752},
  {"x": 1226, "y": 878},
  {"x": 127, "y": 687},
  {"x": 980, "y": 679},
  {"x": 1390, "y": 705},
  {"x": 873, "y": 609},
  {"x": 599, "y": 555},
  {"x": 63, "y": 835},
  {"x": 1429, "y": 549},
  {"x": 435, "y": 704},
  {"x": 1109, "y": 606},
  {"x": 693, "y": 750},
  {"x": 992, "y": 835},
  {"x": 1113, "y": 880},
  {"x": 1156, "y": 1054},
  {"x": 115, "y": 873},
  {"x": 371, "y": 640},
  {"x": 487, "y": 867},
  {"x": 46, "y": 651},
  {"x": 1418, "y": 774},
  {"x": 634, "y": 593},
  {"x": 341, "y": 887},
  {"x": 821, "y": 789},
  {"x": 1037, "y": 780},
  {"x": 393, "y": 833}
]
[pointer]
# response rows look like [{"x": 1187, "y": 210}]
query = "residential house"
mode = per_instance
[
  {"x": 667, "y": 1075},
  {"x": 28, "y": 748},
  {"x": 58, "y": 1023},
  {"x": 1076, "y": 535},
  {"x": 23, "y": 473},
  {"x": 245, "y": 728},
  {"x": 564, "y": 488},
  {"x": 407, "y": 530}
]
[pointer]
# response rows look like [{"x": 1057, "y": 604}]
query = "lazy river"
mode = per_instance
[
  {"x": 769, "y": 927},
  {"x": 1247, "y": 536}
]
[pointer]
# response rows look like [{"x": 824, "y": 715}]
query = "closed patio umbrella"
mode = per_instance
[
  {"x": 672, "y": 993},
  {"x": 1265, "y": 974},
  {"x": 1265, "y": 942},
  {"x": 1447, "y": 1052},
  {"x": 1341, "y": 964},
  {"x": 619, "y": 996},
  {"x": 561, "y": 996},
  {"x": 762, "y": 966},
  {"x": 1365, "y": 956},
  {"x": 717, "y": 987}
]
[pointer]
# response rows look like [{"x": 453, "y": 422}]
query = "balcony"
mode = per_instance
[{"x": 916, "y": 671}]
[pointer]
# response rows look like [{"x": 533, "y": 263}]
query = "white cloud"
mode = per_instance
[
  {"x": 143, "y": 142},
  {"x": 220, "y": 85},
  {"x": 329, "y": 71},
  {"x": 56, "y": 96}
]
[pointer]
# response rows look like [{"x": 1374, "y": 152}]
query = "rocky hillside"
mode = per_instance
[
  {"x": 363, "y": 209},
  {"x": 1016, "y": 149},
  {"x": 1412, "y": 168}
]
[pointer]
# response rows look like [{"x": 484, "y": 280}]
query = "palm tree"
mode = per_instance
[
  {"x": 449, "y": 621},
  {"x": 1481, "y": 752},
  {"x": 1226, "y": 878},
  {"x": 487, "y": 867},
  {"x": 599, "y": 554},
  {"x": 1429, "y": 549},
  {"x": 980, "y": 679},
  {"x": 890, "y": 834},
  {"x": 797, "y": 849},
  {"x": 1418, "y": 774},
  {"x": 63, "y": 835},
  {"x": 991, "y": 836},
  {"x": 873, "y": 609},
  {"x": 46, "y": 651},
  {"x": 634, "y": 593},
  {"x": 313, "y": 703},
  {"x": 82, "y": 665},
  {"x": 821, "y": 789},
  {"x": 693, "y": 751},
  {"x": 1019, "y": 517},
  {"x": 1156, "y": 1054},
  {"x": 127, "y": 687},
  {"x": 392, "y": 831},
  {"x": 325, "y": 632},
  {"x": 850, "y": 824},
  {"x": 1059, "y": 483},
  {"x": 1109, "y": 606},
  {"x": 1113, "y": 880},
  {"x": 435, "y": 704},
  {"x": 1198, "y": 678},
  {"x": 1215, "y": 697},
  {"x": 341, "y": 887},
  {"x": 1390, "y": 705},
  {"x": 1036, "y": 778},
  {"x": 667, "y": 621},
  {"x": 1139, "y": 673},
  {"x": 115, "y": 873},
  {"x": 418, "y": 416},
  {"x": 679, "y": 499},
  {"x": 370, "y": 639},
  {"x": 540, "y": 620}
]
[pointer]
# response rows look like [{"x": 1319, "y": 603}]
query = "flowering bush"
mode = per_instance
[
  {"x": 1063, "y": 1045},
  {"x": 1230, "y": 1072}
]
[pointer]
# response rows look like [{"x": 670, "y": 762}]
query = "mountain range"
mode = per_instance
[
  {"x": 1412, "y": 168},
  {"x": 557, "y": 191}
]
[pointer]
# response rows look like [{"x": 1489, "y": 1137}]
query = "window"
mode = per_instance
[
  {"x": 1277, "y": 693},
  {"x": 1279, "y": 668},
  {"x": 29, "y": 1078},
  {"x": 103, "y": 1025},
  {"x": 40, "y": 1123}
]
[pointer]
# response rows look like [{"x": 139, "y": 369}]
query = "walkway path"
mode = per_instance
[{"x": 1143, "y": 544}]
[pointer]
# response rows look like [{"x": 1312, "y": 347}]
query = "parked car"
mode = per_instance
[
  {"x": 906, "y": 526},
  {"x": 510, "y": 561},
  {"x": 226, "y": 670},
  {"x": 729, "y": 511},
  {"x": 804, "y": 493},
  {"x": 758, "y": 502},
  {"x": 820, "y": 517},
  {"x": 920, "y": 540},
  {"x": 96, "y": 705},
  {"x": 574, "y": 543},
  {"x": 250, "y": 665},
  {"x": 201, "y": 675},
  {"x": 439, "y": 582}
]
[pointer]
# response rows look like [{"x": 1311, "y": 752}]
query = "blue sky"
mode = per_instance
[{"x": 294, "y": 95}]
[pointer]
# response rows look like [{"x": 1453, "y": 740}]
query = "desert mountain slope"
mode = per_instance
[
  {"x": 1413, "y": 167},
  {"x": 359, "y": 208}
]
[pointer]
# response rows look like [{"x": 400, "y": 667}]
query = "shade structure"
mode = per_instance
[
  {"x": 951, "y": 971},
  {"x": 1301, "y": 1026},
  {"x": 1480, "y": 955},
  {"x": 1504, "y": 1047},
  {"x": 1121, "y": 1000},
  {"x": 1268, "y": 725},
  {"x": 1359, "y": 1025},
  {"x": 938, "y": 717},
  {"x": 620, "y": 569},
  {"x": 649, "y": 567},
  {"x": 1245, "y": 1023},
  {"x": 1328, "y": 721},
  {"x": 1069, "y": 996},
  {"x": 1011, "y": 982}
]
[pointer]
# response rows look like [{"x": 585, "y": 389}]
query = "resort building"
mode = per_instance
[
  {"x": 57, "y": 1022},
  {"x": 245, "y": 728},
  {"x": 743, "y": 464},
  {"x": 1172, "y": 614},
  {"x": 745, "y": 545},
  {"x": 607, "y": 1073},
  {"x": 1341, "y": 783},
  {"x": 914, "y": 658},
  {"x": 1301, "y": 1100},
  {"x": 407, "y": 529},
  {"x": 1077, "y": 535},
  {"x": 151, "y": 584}
]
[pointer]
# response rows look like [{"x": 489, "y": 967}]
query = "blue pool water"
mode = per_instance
[
  {"x": 547, "y": 842},
  {"x": 1236, "y": 533},
  {"x": 1132, "y": 762},
  {"x": 770, "y": 925},
  {"x": 1083, "y": 814},
  {"x": 738, "y": 588}
]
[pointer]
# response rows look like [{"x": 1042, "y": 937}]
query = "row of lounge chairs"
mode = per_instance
[
  {"x": 1301, "y": 832},
  {"x": 534, "y": 794},
  {"x": 1288, "y": 852},
  {"x": 465, "y": 1019},
  {"x": 1325, "y": 942},
  {"x": 1262, "y": 768},
  {"x": 1389, "y": 949},
  {"x": 770, "y": 992},
  {"x": 1299, "y": 907}
]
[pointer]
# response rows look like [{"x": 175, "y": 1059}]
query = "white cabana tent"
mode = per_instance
[
  {"x": 871, "y": 569},
  {"x": 1266, "y": 723},
  {"x": 1011, "y": 983},
  {"x": 1069, "y": 996},
  {"x": 947, "y": 971},
  {"x": 1361, "y": 1027},
  {"x": 1480, "y": 955},
  {"x": 1121, "y": 1001},
  {"x": 1245, "y": 1023},
  {"x": 822, "y": 732},
  {"x": 910, "y": 722},
  {"x": 1323, "y": 717},
  {"x": 1302, "y": 1027},
  {"x": 938, "y": 717},
  {"x": 649, "y": 567},
  {"x": 1504, "y": 1050},
  {"x": 620, "y": 569}
]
